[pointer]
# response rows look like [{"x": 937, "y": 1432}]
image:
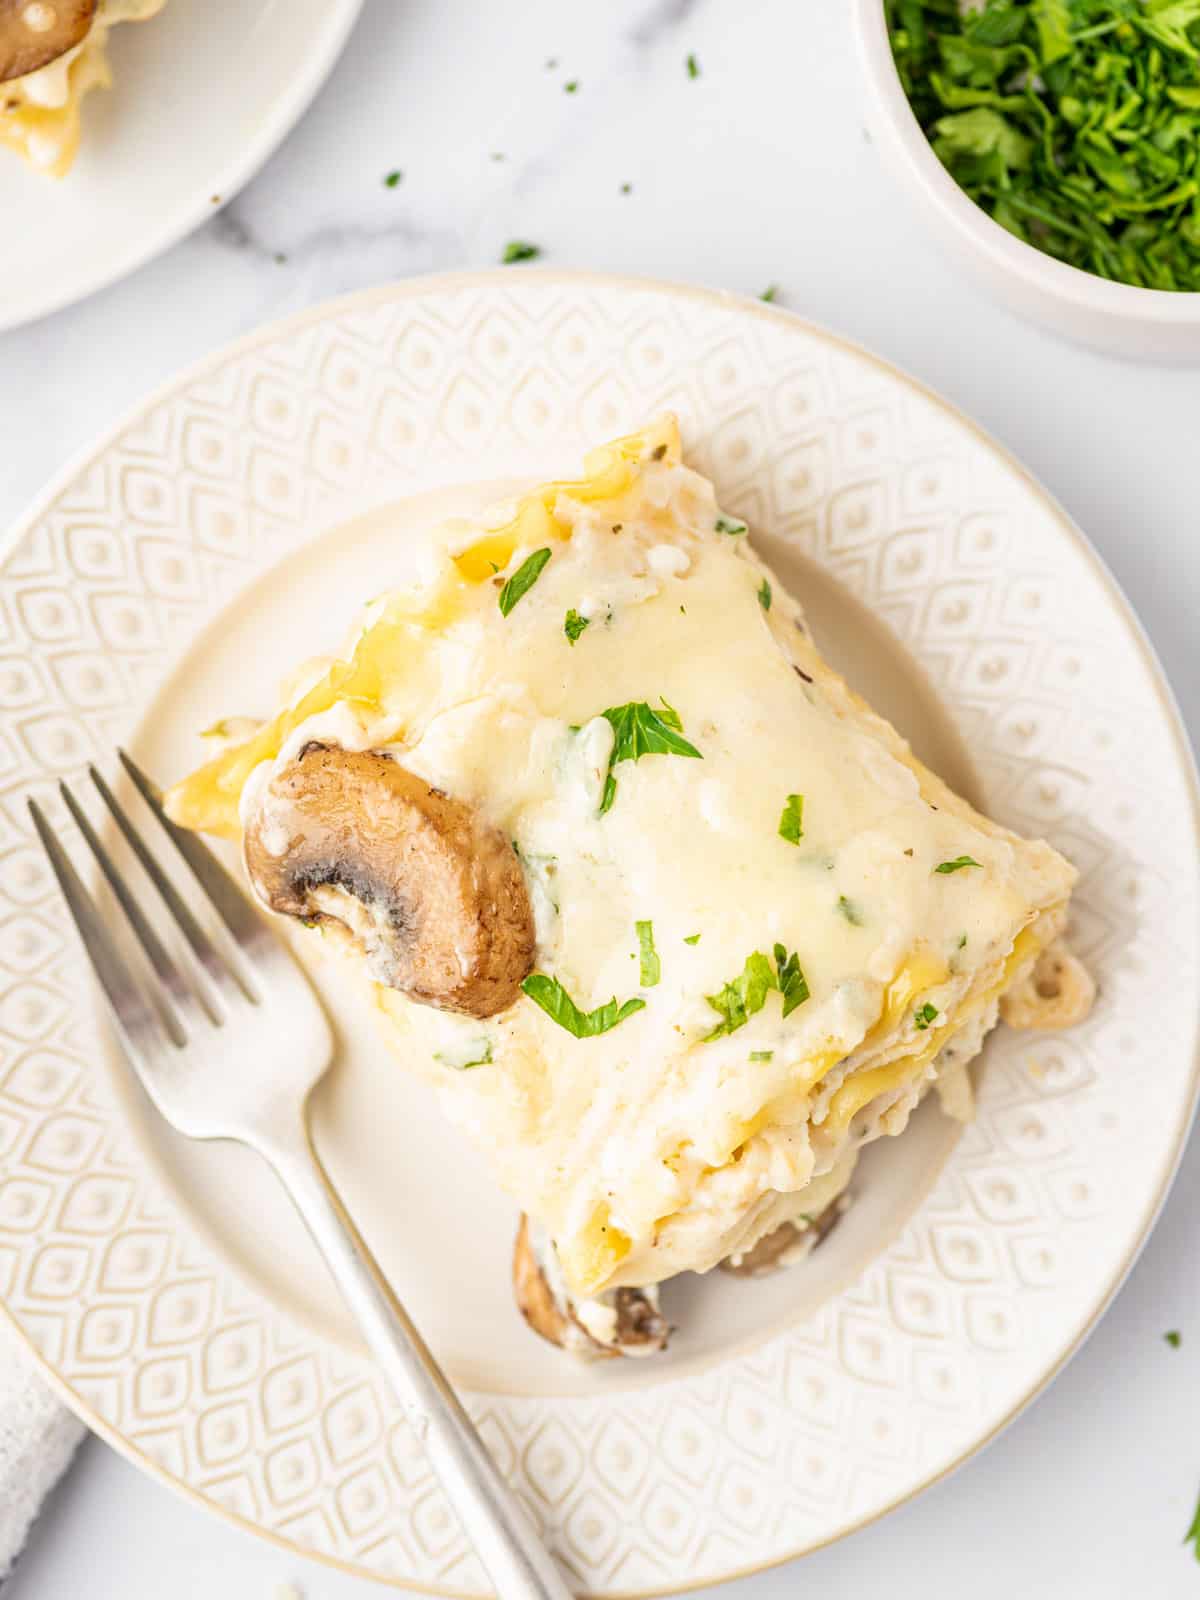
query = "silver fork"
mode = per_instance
[{"x": 232, "y": 1050}]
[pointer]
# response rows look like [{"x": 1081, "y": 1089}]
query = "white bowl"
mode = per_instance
[{"x": 1145, "y": 324}]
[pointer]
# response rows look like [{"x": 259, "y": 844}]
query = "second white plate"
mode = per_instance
[{"x": 202, "y": 94}]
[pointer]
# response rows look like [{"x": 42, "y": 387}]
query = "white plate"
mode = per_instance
[
  {"x": 230, "y": 527},
  {"x": 201, "y": 96}
]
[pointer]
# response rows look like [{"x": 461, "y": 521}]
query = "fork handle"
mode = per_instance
[{"x": 515, "y": 1559}]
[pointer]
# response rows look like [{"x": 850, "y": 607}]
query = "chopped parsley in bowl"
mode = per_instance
[{"x": 1075, "y": 124}]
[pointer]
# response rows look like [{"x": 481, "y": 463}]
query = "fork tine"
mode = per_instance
[
  {"x": 202, "y": 946},
  {"x": 182, "y": 999},
  {"x": 142, "y": 1032},
  {"x": 226, "y": 897}
]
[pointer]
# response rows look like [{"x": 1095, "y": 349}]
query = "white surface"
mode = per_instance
[
  {"x": 1152, "y": 324},
  {"x": 218, "y": 83},
  {"x": 756, "y": 172}
]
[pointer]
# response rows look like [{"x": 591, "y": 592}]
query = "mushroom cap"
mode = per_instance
[
  {"x": 639, "y": 1328},
  {"x": 1057, "y": 993},
  {"x": 432, "y": 894},
  {"x": 35, "y": 32}
]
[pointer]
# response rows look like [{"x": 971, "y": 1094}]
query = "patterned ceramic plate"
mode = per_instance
[{"x": 233, "y": 525}]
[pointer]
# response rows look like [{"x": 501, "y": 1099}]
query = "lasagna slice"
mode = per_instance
[
  {"x": 52, "y": 52},
  {"x": 671, "y": 918}
]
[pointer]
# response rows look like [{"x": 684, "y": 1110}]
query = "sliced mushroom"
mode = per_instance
[
  {"x": 1057, "y": 993},
  {"x": 621, "y": 1322},
  {"x": 35, "y": 32},
  {"x": 432, "y": 895},
  {"x": 786, "y": 1244}
]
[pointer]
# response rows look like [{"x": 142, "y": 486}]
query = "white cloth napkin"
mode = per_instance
[{"x": 38, "y": 1437}]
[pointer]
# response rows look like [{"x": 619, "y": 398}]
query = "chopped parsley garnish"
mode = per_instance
[
  {"x": 559, "y": 1007},
  {"x": 924, "y": 1015},
  {"x": 1174, "y": 1338},
  {"x": 792, "y": 984},
  {"x": 962, "y": 941},
  {"x": 957, "y": 864},
  {"x": 626, "y": 188},
  {"x": 770, "y": 294},
  {"x": 520, "y": 250},
  {"x": 639, "y": 730},
  {"x": 738, "y": 1000},
  {"x": 850, "y": 911},
  {"x": 746, "y": 994},
  {"x": 691, "y": 938},
  {"x": 764, "y": 595},
  {"x": 392, "y": 179},
  {"x": 693, "y": 67},
  {"x": 574, "y": 624},
  {"x": 477, "y": 1053},
  {"x": 1192, "y": 1536},
  {"x": 650, "y": 969},
  {"x": 730, "y": 525},
  {"x": 791, "y": 823},
  {"x": 571, "y": 86},
  {"x": 523, "y": 579},
  {"x": 1075, "y": 124},
  {"x": 761, "y": 1055}
]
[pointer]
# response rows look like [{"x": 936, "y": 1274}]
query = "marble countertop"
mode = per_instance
[{"x": 755, "y": 172}]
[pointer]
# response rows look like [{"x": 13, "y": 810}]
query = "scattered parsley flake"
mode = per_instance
[
  {"x": 639, "y": 730},
  {"x": 1174, "y": 1339},
  {"x": 791, "y": 822},
  {"x": 1192, "y": 1536},
  {"x": 393, "y": 178},
  {"x": 761, "y": 1055},
  {"x": 850, "y": 911},
  {"x": 574, "y": 624},
  {"x": 626, "y": 188},
  {"x": 770, "y": 294},
  {"x": 739, "y": 999},
  {"x": 520, "y": 250},
  {"x": 730, "y": 525},
  {"x": 746, "y": 994},
  {"x": 764, "y": 595},
  {"x": 497, "y": 155},
  {"x": 554, "y": 1000},
  {"x": 962, "y": 941},
  {"x": 693, "y": 67},
  {"x": 792, "y": 983},
  {"x": 957, "y": 864},
  {"x": 479, "y": 1052},
  {"x": 691, "y": 938},
  {"x": 650, "y": 970},
  {"x": 571, "y": 86},
  {"x": 924, "y": 1015},
  {"x": 522, "y": 580}
]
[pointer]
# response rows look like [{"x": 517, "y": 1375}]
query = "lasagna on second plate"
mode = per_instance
[
  {"x": 672, "y": 919},
  {"x": 52, "y": 52}
]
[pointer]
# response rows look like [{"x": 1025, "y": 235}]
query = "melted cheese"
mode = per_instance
[
  {"x": 654, "y": 1148},
  {"x": 40, "y": 113}
]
